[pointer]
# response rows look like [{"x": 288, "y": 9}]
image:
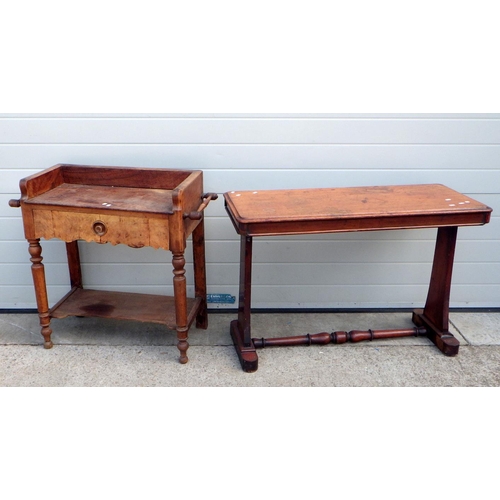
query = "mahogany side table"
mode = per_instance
[
  {"x": 329, "y": 210},
  {"x": 138, "y": 207}
]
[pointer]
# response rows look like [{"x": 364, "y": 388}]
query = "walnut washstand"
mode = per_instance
[
  {"x": 325, "y": 210},
  {"x": 138, "y": 207}
]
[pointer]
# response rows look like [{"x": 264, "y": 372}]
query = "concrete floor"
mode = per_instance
[{"x": 91, "y": 352}]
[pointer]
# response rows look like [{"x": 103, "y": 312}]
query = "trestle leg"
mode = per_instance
[{"x": 435, "y": 315}]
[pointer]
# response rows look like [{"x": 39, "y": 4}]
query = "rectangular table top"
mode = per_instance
[
  {"x": 104, "y": 198},
  {"x": 138, "y": 190},
  {"x": 316, "y": 210}
]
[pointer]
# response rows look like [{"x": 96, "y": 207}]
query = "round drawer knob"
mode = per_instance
[{"x": 99, "y": 228}]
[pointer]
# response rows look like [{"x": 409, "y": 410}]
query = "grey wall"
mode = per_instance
[{"x": 380, "y": 269}]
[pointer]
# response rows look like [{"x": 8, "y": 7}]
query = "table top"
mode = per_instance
[
  {"x": 156, "y": 192},
  {"x": 102, "y": 198},
  {"x": 299, "y": 211}
]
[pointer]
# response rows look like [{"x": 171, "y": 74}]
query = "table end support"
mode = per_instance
[
  {"x": 443, "y": 339},
  {"x": 247, "y": 354}
]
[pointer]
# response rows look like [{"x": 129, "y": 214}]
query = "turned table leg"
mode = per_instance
[
  {"x": 435, "y": 315},
  {"x": 240, "y": 328},
  {"x": 200, "y": 280},
  {"x": 38, "y": 272},
  {"x": 181, "y": 319}
]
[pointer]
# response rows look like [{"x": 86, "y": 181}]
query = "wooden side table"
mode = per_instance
[
  {"x": 138, "y": 207},
  {"x": 308, "y": 211}
]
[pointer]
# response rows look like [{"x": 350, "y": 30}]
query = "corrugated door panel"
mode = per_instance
[{"x": 385, "y": 269}]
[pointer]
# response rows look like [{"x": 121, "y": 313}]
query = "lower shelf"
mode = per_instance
[{"x": 122, "y": 305}]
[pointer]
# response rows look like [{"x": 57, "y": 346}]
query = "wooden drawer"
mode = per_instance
[{"x": 136, "y": 232}]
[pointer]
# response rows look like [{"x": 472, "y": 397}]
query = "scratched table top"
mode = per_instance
[
  {"x": 425, "y": 204},
  {"x": 107, "y": 198}
]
